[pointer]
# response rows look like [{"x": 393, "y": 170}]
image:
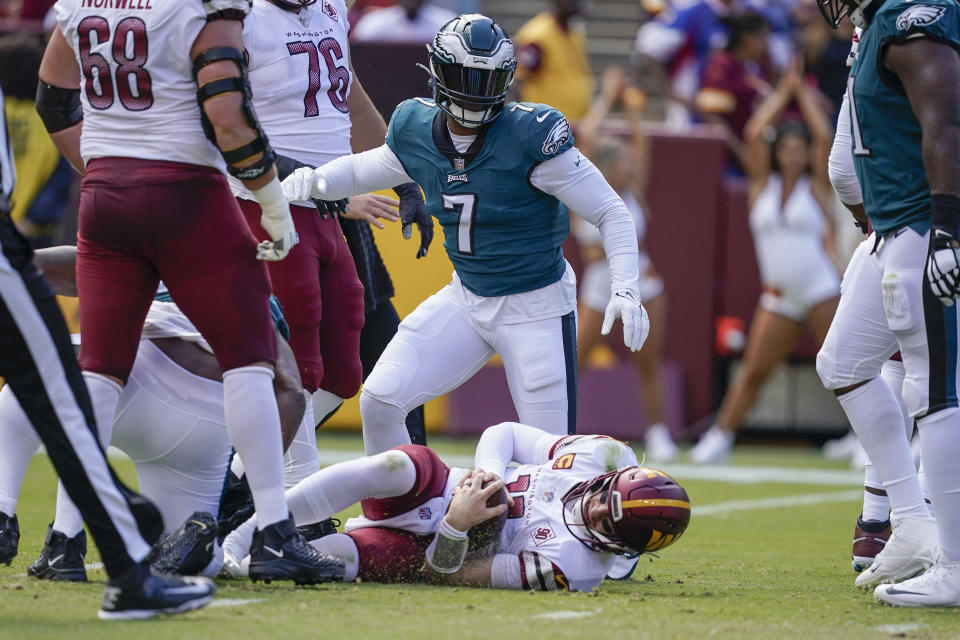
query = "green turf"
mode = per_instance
[{"x": 769, "y": 573}]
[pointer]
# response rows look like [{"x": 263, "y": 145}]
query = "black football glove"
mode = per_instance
[
  {"x": 414, "y": 210},
  {"x": 327, "y": 208}
]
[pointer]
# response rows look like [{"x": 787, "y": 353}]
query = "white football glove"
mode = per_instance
[
  {"x": 636, "y": 322},
  {"x": 943, "y": 268},
  {"x": 276, "y": 221},
  {"x": 303, "y": 184}
]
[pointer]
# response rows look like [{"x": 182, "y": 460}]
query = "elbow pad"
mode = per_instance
[
  {"x": 226, "y": 85},
  {"x": 58, "y": 108}
]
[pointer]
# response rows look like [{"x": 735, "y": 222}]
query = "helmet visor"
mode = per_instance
[{"x": 471, "y": 85}]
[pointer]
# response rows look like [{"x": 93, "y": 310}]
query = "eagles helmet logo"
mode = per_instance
[
  {"x": 919, "y": 16},
  {"x": 557, "y": 137}
]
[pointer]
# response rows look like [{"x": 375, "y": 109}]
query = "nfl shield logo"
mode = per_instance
[
  {"x": 424, "y": 513},
  {"x": 459, "y": 164},
  {"x": 329, "y": 9}
]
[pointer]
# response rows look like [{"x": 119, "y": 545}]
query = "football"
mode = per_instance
[{"x": 485, "y": 537}]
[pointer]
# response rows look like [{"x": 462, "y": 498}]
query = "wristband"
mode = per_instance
[
  {"x": 448, "y": 549},
  {"x": 945, "y": 210}
]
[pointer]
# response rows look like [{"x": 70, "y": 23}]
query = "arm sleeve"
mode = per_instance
[
  {"x": 361, "y": 173},
  {"x": 577, "y": 183},
  {"x": 526, "y": 570},
  {"x": 843, "y": 177},
  {"x": 509, "y": 442}
]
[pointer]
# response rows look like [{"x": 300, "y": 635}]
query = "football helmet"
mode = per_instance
[
  {"x": 834, "y": 11},
  {"x": 471, "y": 64},
  {"x": 648, "y": 511},
  {"x": 293, "y": 5}
]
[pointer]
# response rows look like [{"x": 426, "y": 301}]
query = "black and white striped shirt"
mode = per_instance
[{"x": 7, "y": 173}]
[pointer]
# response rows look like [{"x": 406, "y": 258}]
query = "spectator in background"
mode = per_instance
[
  {"x": 733, "y": 81},
  {"x": 44, "y": 176},
  {"x": 410, "y": 21},
  {"x": 625, "y": 165},
  {"x": 552, "y": 63},
  {"x": 788, "y": 194},
  {"x": 672, "y": 50}
]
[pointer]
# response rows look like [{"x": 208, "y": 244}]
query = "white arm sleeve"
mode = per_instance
[
  {"x": 843, "y": 177},
  {"x": 361, "y": 173},
  {"x": 573, "y": 180},
  {"x": 509, "y": 442}
]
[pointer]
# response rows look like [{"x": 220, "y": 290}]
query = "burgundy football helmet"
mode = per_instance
[
  {"x": 648, "y": 511},
  {"x": 293, "y": 5}
]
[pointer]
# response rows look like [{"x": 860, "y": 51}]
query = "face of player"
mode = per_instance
[
  {"x": 598, "y": 517},
  {"x": 793, "y": 156}
]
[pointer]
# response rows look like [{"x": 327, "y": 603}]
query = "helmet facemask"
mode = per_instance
[
  {"x": 834, "y": 11},
  {"x": 470, "y": 81},
  {"x": 576, "y": 518},
  {"x": 293, "y": 5}
]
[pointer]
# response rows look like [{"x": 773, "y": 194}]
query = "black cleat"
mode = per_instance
[
  {"x": 320, "y": 529},
  {"x": 279, "y": 552},
  {"x": 188, "y": 550},
  {"x": 141, "y": 594},
  {"x": 236, "y": 505},
  {"x": 9, "y": 537},
  {"x": 61, "y": 558}
]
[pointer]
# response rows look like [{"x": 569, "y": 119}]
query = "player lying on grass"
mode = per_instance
[
  {"x": 169, "y": 420},
  {"x": 571, "y": 508}
]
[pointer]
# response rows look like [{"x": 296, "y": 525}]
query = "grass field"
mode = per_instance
[{"x": 767, "y": 555}]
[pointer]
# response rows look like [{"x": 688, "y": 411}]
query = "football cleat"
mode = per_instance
[
  {"x": 236, "y": 505},
  {"x": 912, "y": 547},
  {"x": 320, "y": 529},
  {"x": 659, "y": 445},
  {"x": 714, "y": 447},
  {"x": 62, "y": 558},
  {"x": 869, "y": 539},
  {"x": 142, "y": 594},
  {"x": 9, "y": 537},
  {"x": 279, "y": 552},
  {"x": 188, "y": 550},
  {"x": 938, "y": 586}
]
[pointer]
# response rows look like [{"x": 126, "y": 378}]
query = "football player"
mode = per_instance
[
  {"x": 900, "y": 293},
  {"x": 170, "y": 421},
  {"x": 575, "y": 504},
  {"x": 499, "y": 177},
  {"x": 152, "y": 103},
  {"x": 314, "y": 110}
]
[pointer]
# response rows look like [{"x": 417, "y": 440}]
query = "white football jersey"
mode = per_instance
[
  {"x": 300, "y": 79},
  {"x": 535, "y": 523},
  {"x": 137, "y": 89}
]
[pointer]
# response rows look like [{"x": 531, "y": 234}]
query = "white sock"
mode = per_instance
[
  {"x": 940, "y": 449},
  {"x": 875, "y": 507},
  {"x": 340, "y": 545},
  {"x": 334, "y": 488},
  {"x": 384, "y": 425},
  {"x": 237, "y": 543},
  {"x": 253, "y": 424},
  {"x": 236, "y": 465},
  {"x": 104, "y": 396},
  {"x": 212, "y": 569},
  {"x": 20, "y": 442},
  {"x": 301, "y": 459},
  {"x": 876, "y": 417},
  {"x": 323, "y": 404},
  {"x": 922, "y": 477}
]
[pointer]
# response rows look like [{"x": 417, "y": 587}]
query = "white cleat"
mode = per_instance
[
  {"x": 913, "y": 547},
  {"x": 938, "y": 586},
  {"x": 715, "y": 446},
  {"x": 658, "y": 445}
]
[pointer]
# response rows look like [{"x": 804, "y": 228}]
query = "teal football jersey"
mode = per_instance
[
  {"x": 886, "y": 134},
  {"x": 502, "y": 235}
]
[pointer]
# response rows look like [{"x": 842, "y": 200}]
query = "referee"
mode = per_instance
[{"x": 38, "y": 362}]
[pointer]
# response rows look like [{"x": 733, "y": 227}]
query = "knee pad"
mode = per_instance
[
  {"x": 240, "y": 83},
  {"x": 539, "y": 368},
  {"x": 373, "y": 410}
]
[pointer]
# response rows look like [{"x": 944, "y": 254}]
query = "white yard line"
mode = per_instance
[
  {"x": 564, "y": 615},
  {"x": 233, "y": 602},
  {"x": 807, "y": 499}
]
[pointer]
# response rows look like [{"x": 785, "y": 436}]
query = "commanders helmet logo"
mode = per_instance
[{"x": 919, "y": 16}]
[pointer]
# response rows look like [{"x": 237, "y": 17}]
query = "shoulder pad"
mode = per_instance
[
  {"x": 939, "y": 19},
  {"x": 548, "y": 132}
]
